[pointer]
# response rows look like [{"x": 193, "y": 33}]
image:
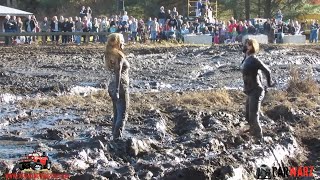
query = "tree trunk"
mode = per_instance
[
  {"x": 247, "y": 8},
  {"x": 267, "y": 9},
  {"x": 259, "y": 8},
  {"x": 235, "y": 13}
]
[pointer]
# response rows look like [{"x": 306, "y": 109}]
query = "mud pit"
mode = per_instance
[{"x": 186, "y": 118}]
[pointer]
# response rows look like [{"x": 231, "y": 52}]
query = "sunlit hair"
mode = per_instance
[
  {"x": 255, "y": 46},
  {"x": 113, "y": 51}
]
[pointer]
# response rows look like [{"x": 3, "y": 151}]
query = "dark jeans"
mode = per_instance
[
  {"x": 253, "y": 105},
  {"x": 55, "y": 38},
  {"x": 120, "y": 108},
  {"x": 65, "y": 38}
]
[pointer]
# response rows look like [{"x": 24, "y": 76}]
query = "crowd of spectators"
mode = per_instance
[{"x": 169, "y": 24}]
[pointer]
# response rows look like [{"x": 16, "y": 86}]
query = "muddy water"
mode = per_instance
[{"x": 166, "y": 147}]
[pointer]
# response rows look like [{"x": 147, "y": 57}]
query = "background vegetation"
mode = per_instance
[{"x": 240, "y": 9}]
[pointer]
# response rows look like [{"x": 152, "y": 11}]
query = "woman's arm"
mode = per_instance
[
  {"x": 267, "y": 72},
  {"x": 118, "y": 76}
]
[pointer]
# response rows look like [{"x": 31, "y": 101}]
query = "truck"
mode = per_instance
[{"x": 35, "y": 160}]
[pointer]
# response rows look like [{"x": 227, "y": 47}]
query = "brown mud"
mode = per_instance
[{"x": 186, "y": 115}]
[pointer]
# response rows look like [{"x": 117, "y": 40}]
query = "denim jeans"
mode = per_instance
[
  {"x": 78, "y": 38},
  {"x": 120, "y": 107}
]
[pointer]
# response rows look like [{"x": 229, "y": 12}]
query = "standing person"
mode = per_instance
[
  {"x": 65, "y": 26},
  {"x": 162, "y": 16},
  {"x": 8, "y": 29},
  {"x": 154, "y": 29},
  {"x": 55, "y": 27},
  {"x": 70, "y": 29},
  {"x": 95, "y": 29},
  {"x": 134, "y": 30},
  {"x": 198, "y": 8},
  {"x": 44, "y": 26},
  {"x": 19, "y": 29},
  {"x": 29, "y": 25},
  {"x": 78, "y": 28},
  {"x": 36, "y": 29},
  {"x": 253, "y": 87},
  {"x": 103, "y": 27},
  {"x": 89, "y": 14},
  {"x": 83, "y": 12},
  {"x": 86, "y": 28},
  {"x": 314, "y": 32},
  {"x": 118, "y": 88}
]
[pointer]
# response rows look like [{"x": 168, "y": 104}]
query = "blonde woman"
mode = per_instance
[{"x": 118, "y": 89}]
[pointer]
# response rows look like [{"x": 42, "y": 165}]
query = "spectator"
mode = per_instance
[
  {"x": 78, "y": 28},
  {"x": 19, "y": 25},
  {"x": 174, "y": 12},
  {"x": 251, "y": 28},
  {"x": 65, "y": 25},
  {"x": 162, "y": 16},
  {"x": 83, "y": 12},
  {"x": 154, "y": 29},
  {"x": 234, "y": 35},
  {"x": 89, "y": 14},
  {"x": 125, "y": 18},
  {"x": 196, "y": 26},
  {"x": 198, "y": 8},
  {"x": 45, "y": 27},
  {"x": 36, "y": 28},
  {"x": 314, "y": 32},
  {"x": 279, "y": 31},
  {"x": 55, "y": 27},
  {"x": 95, "y": 29},
  {"x": 29, "y": 25},
  {"x": 297, "y": 27},
  {"x": 104, "y": 26},
  {"x": 168, "y": 14},
  {"x": 279, "y": 16},
  {"x": 134, "y": 30},
  {"x": 71, "y": 28},
  {"x": 87, "y": 25},
  {"x": 8, "y": 29}
]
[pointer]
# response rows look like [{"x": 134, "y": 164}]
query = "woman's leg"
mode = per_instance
[
  {"x": 122, "y": 112},
  {"x": 112, "y": 94},
  {"x": 254, "y": 112}
]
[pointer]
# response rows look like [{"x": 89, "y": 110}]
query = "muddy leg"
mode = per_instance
[
  {"x": 122, "y": 113},
  {"x": 112, "y": 94},
  {"x": 247, "y": 110},
  {"x": 254, "y": 113}
]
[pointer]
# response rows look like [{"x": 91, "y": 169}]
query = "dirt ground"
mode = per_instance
[{"x": 186, "y": 113}]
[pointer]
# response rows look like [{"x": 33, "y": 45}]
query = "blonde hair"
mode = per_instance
[
  {"x": 113, "y": 51},
  {"x": 255, "y": 46}
]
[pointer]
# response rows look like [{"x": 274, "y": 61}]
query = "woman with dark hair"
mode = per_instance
[
  {"x": 251, "y": 68},
  {"x": 119, "y": 86}
]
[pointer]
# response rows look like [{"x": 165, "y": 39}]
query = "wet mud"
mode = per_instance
[{"x": 186, "y": 119}]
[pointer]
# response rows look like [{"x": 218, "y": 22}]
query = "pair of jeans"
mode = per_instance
[
  {"x": 78, "y": 38},
  {"x": 120, "y": 107},
  {"x": 153, "y": 35},
  {"x": 253, "y": 104},
  {"x": 314, "y": 36}
]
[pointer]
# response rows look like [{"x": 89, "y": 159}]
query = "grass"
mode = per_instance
[{"x": 302, "y": 83}]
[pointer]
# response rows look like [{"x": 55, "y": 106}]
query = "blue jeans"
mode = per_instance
[
  {"x": 314, "y": 36},
  {"x": 154, "y": 35},
  {"x": 78, "y": 38}
]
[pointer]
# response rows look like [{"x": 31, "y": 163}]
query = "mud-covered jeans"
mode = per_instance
[
  {"x": 253, "y": 104},
  {"x": 120, "y": 108}
]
